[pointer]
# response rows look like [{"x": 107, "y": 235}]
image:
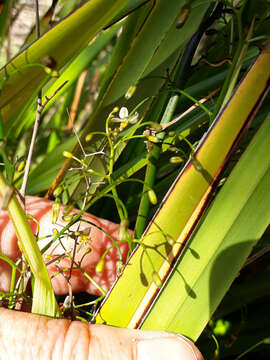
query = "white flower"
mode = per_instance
[{"x": 123, "y": 113}]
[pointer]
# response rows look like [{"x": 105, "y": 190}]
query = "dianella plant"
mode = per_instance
[{"x": 153, "y": 114}]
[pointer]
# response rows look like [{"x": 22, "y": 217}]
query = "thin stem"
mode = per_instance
[
  {"x": 40, "y": 108},
  {"x": 103, "y": 292},
  {"x": 198, "y": 103},
  {"x": 37, "y": 19},
  {"x": 32, "y": 145},
  {"x": 111, "y": 164},
  {"x": 250, "y": 349},
  {"x": 38, "y": 117}
]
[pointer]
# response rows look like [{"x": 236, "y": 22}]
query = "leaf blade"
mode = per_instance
[{"x": 185, "y": 200}]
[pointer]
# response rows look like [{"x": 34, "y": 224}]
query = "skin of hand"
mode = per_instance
[
  {"x": 30, "y": 336},
  {"x": 41, "y": 210}
]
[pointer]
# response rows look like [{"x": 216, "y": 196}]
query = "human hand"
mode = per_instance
[
  {"x": 29, "y": 336},
  {"x": 41, "y": 210}
]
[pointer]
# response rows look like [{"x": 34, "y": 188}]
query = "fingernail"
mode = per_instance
[{"x": 164, "y": 348}]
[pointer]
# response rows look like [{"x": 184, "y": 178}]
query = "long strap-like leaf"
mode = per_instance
[
  {"x": 180, "y": 209},
  {"x": 22, "y": 77}
]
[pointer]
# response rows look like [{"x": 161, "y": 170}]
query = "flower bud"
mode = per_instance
[
  {"x": 100, "y": 266},
  {"x": 153, "y": 139},
  {"x": 119, "y": 267},
  {"x": 85, "y": 238},
  {"x": 115, "y": 110},
  {"x": 183, "y": 16},
  {"x": 176, "y": 159},
  {"x": 67, "y": 154},
  {"x": 130, "y": 92},
  {"x": 55, "y": 232},
  {"x": 54, "y": 73},
  {"x": 68, "y": 209},
  {"x": 47, "y": 70},
  {"x": 89, "y": 137},
  {"x": 123, "y": 230},
  {"x": 133, "y": 119},
  {"x": 21, "y": 166},
  {"x": 55, "y": 212},
  {"x": 67, "y": 218},
  {"x": 152, "y": 196},
  {"x": 57, "y": 191}
]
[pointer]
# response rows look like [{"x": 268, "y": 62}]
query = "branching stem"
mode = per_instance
[{"x": 40, "y": 108}]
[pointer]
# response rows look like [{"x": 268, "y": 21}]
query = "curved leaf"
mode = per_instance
[{"x": 24, "y": 75}]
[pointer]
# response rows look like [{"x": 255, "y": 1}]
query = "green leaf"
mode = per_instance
[
  {"x": 69, "y": 75},
  {"x": 235, "y": 222},
  {"x": 44, "y": 301},
  {"x": 44, "y": 174},
  {"x": 25, "y": 73},
  {"x": 185, "y": 201},
  {"x": 145, "y": 33}
]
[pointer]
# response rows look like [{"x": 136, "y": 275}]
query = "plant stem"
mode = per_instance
[
  {"x": 38, "y": 117},
  {"x": 44, "y": 301},
  {"x": 32, "y": 145}
]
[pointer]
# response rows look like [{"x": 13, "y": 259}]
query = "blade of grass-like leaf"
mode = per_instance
[
  {"x": 70, "y": 74},
  {"x": 154, "y": 42},
  {"x": 44, "y": 301},
  {"x": 24, "y": 75},
  {"x": 185, "y": 199},
  {"x": 236, "y": 220}
]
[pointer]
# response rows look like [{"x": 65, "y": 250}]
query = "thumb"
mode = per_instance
[{"x": 29, "y": 336}]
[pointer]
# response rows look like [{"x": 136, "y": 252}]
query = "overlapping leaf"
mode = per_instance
[
  {"x": 24, "y": 75},
  {"x": 151, "y": 33},
  {"x": 215, "y": 255},
  {"x": 180, "y": 209}
]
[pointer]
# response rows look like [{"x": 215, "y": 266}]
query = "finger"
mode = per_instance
[
  {"x": 28, "y": 336},
  {"x": 41, "y": 209}
]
